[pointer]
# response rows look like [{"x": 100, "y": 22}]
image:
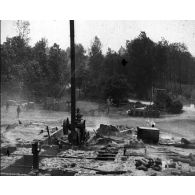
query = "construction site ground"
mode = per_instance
[{"x": 72, "y": 160}]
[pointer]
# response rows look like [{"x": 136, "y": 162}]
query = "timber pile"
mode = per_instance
[
  {"x": 99, "y": 139},
  {"x": 184, "y": 143},
  {"x": 190, "y": 159},
  {"x": 106, "y": 155},
  {"x": 107, "y": 130},
  {"x": 135, "y": 144}
]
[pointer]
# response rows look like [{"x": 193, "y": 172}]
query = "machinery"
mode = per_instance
[{"x": 78, "y": 134}]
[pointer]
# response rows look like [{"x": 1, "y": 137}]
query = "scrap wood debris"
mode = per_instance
[
  {"x": 105, "y": 150},
  {"x": 107, "y": 130},
  {"x": 190, "y": 159},
  {"x": 146, "y": 163},
  {"x": 103, "y": 172},
  {"x": 183, "y": 143}
]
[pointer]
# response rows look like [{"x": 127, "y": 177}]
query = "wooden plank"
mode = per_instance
[{"x": 105, "y": 158}]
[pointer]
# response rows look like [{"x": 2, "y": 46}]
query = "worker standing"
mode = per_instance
[
  {"x": 60, "y": 145},
  {"x": 35, "y": 150},
  {"x": 48, "y": 133},
  {"x": 153, "y": 124},
  {"x": 124, "y": 151},
  {"x": 7, "y": 106},
  {"x": 64, "y": 127},
  {"x": 108, "y": 105},
  {"x": 18, "y": 111}
]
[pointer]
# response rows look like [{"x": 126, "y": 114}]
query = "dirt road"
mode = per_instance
[{"x": 182, "y": 125}]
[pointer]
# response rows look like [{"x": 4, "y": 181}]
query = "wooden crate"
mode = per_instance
[{"x": 148, "y": 134}]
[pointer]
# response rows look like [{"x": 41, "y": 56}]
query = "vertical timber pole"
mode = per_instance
[{"x": 72, "y": 47}]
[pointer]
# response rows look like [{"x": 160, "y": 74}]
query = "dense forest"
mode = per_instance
[{"x": 41, "y": 71}]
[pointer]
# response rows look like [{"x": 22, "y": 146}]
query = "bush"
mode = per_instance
[
  {"x": 117, "y": 88},
  {"x": 175, "y": 107},
  {"x": 163, "y": 100}
]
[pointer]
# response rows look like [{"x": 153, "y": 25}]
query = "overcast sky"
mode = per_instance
[{"x": 111, "y": 33}]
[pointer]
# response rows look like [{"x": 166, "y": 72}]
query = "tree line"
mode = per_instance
[{"x": 41, "y": 71}]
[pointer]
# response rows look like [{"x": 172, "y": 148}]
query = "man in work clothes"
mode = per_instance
[
  {"x": 108, "y": 105},
  {"x": 35, "y": 150},
  {"x": 7, "y": 106},
  {"x": 18, "y": 111}
]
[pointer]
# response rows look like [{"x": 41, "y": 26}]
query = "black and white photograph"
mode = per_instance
[
  {"x": 89, "y": 98},
  {"x": 103, "y": 90}
]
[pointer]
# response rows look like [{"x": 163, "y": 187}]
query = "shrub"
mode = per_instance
[
  {"x": 117, "y": 88},
  {"x": 175, "y": 107},
  {"x": 163, "y": 100}
]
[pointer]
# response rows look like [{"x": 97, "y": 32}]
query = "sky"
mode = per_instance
[{"x": 112, "y": 33}]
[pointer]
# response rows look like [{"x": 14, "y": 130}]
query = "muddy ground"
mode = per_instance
[{"x": 173, "y": 128}]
